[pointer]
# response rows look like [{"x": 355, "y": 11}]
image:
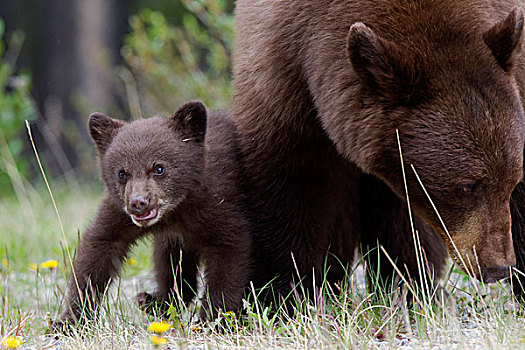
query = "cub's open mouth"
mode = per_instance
[{"x": 147, "y": 216}]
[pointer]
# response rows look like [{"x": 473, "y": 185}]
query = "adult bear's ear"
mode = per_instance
[
  {"x": 504, "y": 39},
  {"x": 102, "y": 130},
  {"x": 388, "y": 71},
  {"x": 190, "y": 120}
]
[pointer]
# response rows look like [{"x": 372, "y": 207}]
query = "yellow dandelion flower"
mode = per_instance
[
  {"x": 156, "y": 340},
  {"x": 33, "y": 267},
  {"x": 5, "y": 262},
  {"x": 158, "y": 327},
  {"x": 49, "y": 264},
  {"x": 131, "y": 261},
  {"x": 11, "y": 342}
]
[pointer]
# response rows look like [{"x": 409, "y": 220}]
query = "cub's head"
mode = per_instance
[
  {"x": 452, "y": 94},
  {"x": 151, "y": 165}
]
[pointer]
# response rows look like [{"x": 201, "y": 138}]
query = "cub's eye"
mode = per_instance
[
  {"x": 159, "y": 170},
  {"x": 122, "y": 175}
]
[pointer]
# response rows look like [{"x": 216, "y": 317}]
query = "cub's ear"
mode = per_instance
[
  {"x": 190, "y": 120},
  {"x": 505, "y": 37},
  {"x": 102, "y": 130},
  {"x": 382, "y": 66}
]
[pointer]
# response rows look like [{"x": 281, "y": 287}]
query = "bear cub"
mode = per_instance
[{"x": 176, "y": 179}]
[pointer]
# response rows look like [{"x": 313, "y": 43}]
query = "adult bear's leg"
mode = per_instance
[
  {"x": 517, "y": 211},
  {"x": 385, "y": 221}
]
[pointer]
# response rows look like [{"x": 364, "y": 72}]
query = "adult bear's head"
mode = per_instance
[{"x": 460, "y": 121}]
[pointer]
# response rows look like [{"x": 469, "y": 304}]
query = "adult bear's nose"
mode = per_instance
[{"x": 138, "y": 205}]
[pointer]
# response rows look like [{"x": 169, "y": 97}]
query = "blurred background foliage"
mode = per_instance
[
  {"x": 61, "y": 60},
  {"x": 16, "y": 105},
  {"x": 173, "y": 64}
]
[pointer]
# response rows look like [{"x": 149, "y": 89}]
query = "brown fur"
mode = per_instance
[
  {"x": 319, "y": 89},
  {"x": 517, "y": 206},
  {"x": 200, "y": 208}
]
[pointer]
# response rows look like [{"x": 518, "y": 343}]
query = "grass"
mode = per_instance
[
  {"x": 470, "y": 315},
  {"x": 459, "y": 313},
  {"x": 31, "y": 235}
]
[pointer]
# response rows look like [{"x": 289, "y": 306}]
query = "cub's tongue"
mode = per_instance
[{"x": 146, "y": 216}]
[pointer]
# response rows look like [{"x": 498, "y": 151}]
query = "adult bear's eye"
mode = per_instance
[
  {"x": 474, "y": 188},
  {"x": 159, "y": 170},
  {"x": 122, "y": 175},
  {"x": 468, "y": 187}
]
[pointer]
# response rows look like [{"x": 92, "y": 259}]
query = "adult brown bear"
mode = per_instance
[{"x": 320, "y": 88}]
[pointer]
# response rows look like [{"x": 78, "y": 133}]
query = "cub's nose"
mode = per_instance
[
  {"x": 493, "y": 274},
  {"x": 138, "y": 205}
]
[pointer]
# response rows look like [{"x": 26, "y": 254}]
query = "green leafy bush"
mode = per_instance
[
  {"x": 16, "y": 105},
  {"x": 172, "y": 64}
]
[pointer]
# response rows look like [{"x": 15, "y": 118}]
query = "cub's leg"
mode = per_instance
[
  {"x": 98, "y": 260},
  {"x": 168, "y": 268},
  {"x": 226, "y": 277}
]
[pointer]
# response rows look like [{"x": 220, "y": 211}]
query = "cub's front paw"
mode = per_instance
[
  {"x": 60, "y": 326},
  {"x": 145, "y": 301},
  {"x": 152, "y": 304}
]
